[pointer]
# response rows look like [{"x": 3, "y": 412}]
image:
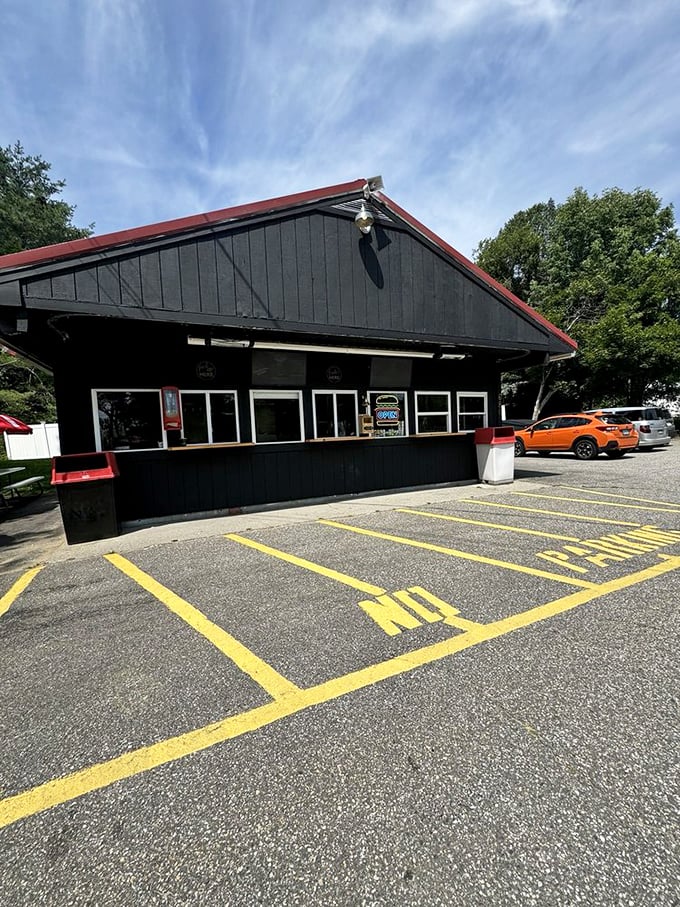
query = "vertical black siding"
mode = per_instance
[
  {"x": 291, "y": 296},
  {"x": 108, "y": 276},
  {"x": 274, "y": 273},
  {"x": 226, "y": 276},
  {"x": 207, "y": 275},
  {"x": 63, "y": 286},
  {"x": 130, "y": 281},
  {"x": 305, "y": 289},
  {"x": 189, "y": 280},
  {"x": 318, "y": 270},
  {"x": 333, "y": 272},
  {"x": 172, "y": 286},
  {"x": 242, "y": 278},
  {"x": 258, "y": 274},
  {"x": 152, "y": 292},
  {"x": 160, "y": 484},
  {"x": 313, "y": 269}
]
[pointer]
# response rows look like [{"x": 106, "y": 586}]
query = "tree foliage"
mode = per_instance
[
  {"x": 606, "y": 270},
  {"x": 26, "y": 391},
  {"x": 31, "y": 215}
]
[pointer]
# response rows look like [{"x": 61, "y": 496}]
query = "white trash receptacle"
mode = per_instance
[{"x": 496, "y": 454}]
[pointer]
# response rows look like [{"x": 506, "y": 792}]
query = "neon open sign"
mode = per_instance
[
  {"x": 387, "y": 410},
  {"x": 387, "y": 416}
]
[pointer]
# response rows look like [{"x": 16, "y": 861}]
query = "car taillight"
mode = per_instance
[
  {"x": 606, "y": 428},
  {"x": 645, "y": 429}
]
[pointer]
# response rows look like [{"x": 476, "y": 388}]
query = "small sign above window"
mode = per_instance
[{"x": 205, "y": 370}]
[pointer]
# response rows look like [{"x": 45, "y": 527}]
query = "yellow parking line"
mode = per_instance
[
  {"x": 570, "y": 516},
  {"x": 556, "y": 497},
  {"x": 262, "y": 673},
  {"x": 308, "y": 565},
  {"x": 465, "y": 555},
  {"x": 17, "y": 588},
  {"x": 623, "y": 497},
  {"x": 460, "y": 519},
  {"x": 96, "y": 777}
]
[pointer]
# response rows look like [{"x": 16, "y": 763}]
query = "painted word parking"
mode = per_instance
[{"x": 395, "y": 591}]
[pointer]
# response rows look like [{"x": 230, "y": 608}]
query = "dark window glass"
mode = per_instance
[
  {"x": 433, "y": 403},
  {"x": 323, "y": 408},
  {"x": 129, "y": 420},
  {"x": 545, "y": 425},
  {"x": 347, "y": 415},
  {"x": 279, "y": 367},
  {"x": 223, "y": 418},
  {"x": 387, "y": 372},
  {"x": 276, "y": 419},
  {"x": 194, "y": 418},
  {"x": 432, "y": 423}
]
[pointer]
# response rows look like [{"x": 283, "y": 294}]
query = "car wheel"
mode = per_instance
[
  {"x": 520, "y": 449},
  {"x": 615, "y": 454},
  {"x": 585, "y": 449},
  {"x": 544, "y": 453}
]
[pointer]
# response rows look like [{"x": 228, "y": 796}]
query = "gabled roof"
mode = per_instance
[
  {"x": 172, "y": 227},
  {"x": 225, "y": 216}
]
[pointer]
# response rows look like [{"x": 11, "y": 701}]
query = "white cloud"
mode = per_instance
[{"x": 470, "y": 110}]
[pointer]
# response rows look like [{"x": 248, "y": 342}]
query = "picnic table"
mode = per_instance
[{"x": 11, "y": 491}]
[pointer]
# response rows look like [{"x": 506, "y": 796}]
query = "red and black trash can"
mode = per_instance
[{"x": 85, "y": 485}]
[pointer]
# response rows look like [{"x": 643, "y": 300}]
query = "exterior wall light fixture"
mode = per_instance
[{"x": 364, "y": 219}]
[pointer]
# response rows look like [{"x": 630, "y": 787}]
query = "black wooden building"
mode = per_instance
[{"x": 322, "y": 344}]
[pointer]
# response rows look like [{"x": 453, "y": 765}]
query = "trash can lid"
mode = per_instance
[
  {"x": 500, "y": 434},
  {"x": 84, "y": 467}
]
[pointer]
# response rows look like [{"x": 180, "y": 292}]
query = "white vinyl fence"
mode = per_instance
[{"x": 41, "y": 445}]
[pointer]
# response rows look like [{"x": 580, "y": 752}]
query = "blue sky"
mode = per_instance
[{"x": 469, "y": 109}]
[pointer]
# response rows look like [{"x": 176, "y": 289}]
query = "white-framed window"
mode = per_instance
[
  {"x": 127, "y": 419},
  {"x": 433, "y": 411},
  {"x": 276, "y": 416},
  {"x": 390, "y": 413},
  {"x": 210, "y": 417},
  {"x": 473, "y": 410},
  {"x": 335, "y": 413}
]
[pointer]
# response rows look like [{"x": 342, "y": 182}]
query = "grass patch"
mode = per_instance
[{"x": 30, "y": 468}]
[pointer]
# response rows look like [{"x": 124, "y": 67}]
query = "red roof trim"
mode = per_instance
[
  {"x": 471, "y": 266},
  {"x": 122, "y": 237}
]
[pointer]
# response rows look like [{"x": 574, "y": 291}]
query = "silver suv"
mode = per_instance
[{"x": 651, "y": 428}]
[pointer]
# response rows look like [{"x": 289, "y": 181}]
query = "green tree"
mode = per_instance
[
  {"x": 26, "y": 391},
  {"x": 606, "y": 270},
  {"x": 31, "y": 215}
]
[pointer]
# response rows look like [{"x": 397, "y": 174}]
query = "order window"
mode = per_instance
[
  {"x": 473, "y": 410},
  {"x": 209, "y": 417},
  {"x": 128, "y": 419},
  {"x": 335, "y": 414},
  {"x": 276, "y": 416},
  {"x": 433, "y": 411},
  {"x": 390, "y": 417}
]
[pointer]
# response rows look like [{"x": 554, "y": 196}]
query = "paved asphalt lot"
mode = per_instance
[{"x": 474, "y": 703}]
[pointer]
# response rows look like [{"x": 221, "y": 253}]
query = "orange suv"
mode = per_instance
[{"x": 584, "y": 435}]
